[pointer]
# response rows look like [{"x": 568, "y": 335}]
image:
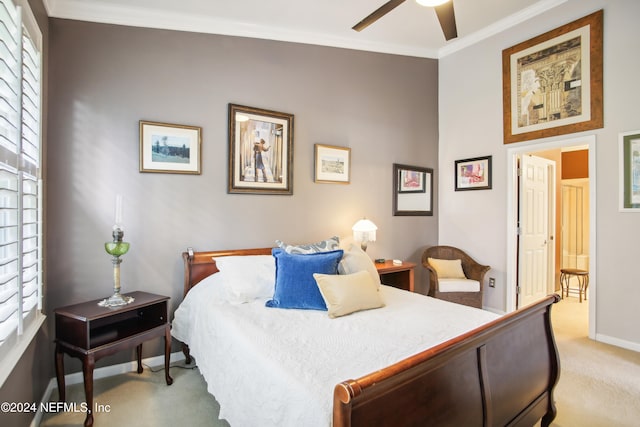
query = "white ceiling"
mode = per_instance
[{"x": 410, "y": 29}]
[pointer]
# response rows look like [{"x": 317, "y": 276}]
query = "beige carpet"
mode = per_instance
[
  {"x": 145, "y": 400},
  {"x": 599, "y": 387},
  {"x": 599, "y": 383}
]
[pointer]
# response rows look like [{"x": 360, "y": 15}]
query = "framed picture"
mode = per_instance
[
  {"x": 169, "y": 148},
  {"x": 260, "y": 151},
  {"x": 629, "y": 151},
  {"x": 473, "y": 174},
  {"x": 552, "y": 84},
  {"x": 332, "y": 164},
  {"x": 412, "y": 181},
  {"x": 412, "y": 190}
]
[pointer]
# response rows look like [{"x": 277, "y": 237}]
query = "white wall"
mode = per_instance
[{"x": 470, "y": 89}]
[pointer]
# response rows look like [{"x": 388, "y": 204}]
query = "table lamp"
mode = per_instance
[
  {"x": 116, "y": 249},
  {"x": 364, "y": 231}
]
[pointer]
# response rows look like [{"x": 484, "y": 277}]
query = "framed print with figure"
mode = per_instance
[{"x": 260, "y": 151}]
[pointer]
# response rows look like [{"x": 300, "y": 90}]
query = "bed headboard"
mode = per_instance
[{"x": 199, "y": 265}]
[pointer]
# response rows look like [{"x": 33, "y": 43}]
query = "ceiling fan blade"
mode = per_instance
[
  {"x": 377, "y": 14},
  {"x": 447, "y": 19}
]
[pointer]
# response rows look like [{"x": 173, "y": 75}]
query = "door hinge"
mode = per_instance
[{"x": 518, "y": 290}]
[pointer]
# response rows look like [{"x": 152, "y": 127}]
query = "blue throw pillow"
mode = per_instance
[{"x": 295, "y": 286}]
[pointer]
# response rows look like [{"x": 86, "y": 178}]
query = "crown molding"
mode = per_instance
[
  {"x": 499, "y": 26},
  {"x": 142, "y": 17}
]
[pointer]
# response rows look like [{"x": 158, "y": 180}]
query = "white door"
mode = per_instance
[{"x": 535, "y": 245}]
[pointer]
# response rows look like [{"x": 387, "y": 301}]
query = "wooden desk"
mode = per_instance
[
  {"x": 399, "y": 276},
  {"x": 90, "y": 332}
]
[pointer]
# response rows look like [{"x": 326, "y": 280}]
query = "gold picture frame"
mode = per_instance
[
  {"x": 260, "y": 151},
  {"x": 552, "y": 84},
  {"x": 170, "y": 148},
  {"x": 332, "y": 164}
]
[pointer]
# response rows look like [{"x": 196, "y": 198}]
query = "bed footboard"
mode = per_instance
[{"x": 501, "y": 374}]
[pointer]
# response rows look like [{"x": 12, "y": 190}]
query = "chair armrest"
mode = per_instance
[
  {"x": 433, "y": 277},
  {"x": 476, "y": 271}
]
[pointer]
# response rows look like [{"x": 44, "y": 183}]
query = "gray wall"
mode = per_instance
[{"x": 105, "y": 78}]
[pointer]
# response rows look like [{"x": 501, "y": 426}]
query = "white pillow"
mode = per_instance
[
  {"x": 247, "y": 277},
  {"x": 347, "y": 293},
  {"x": 354, "y": 260}
]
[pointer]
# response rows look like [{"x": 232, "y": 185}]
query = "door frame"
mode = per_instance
[{"x": 512, "y": 216}]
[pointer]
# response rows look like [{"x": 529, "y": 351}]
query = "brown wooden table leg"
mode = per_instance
[
  {"x": 88, "y": 364},
  {"x": 139, "y": 357},
  {"x": 167, "y": 354},
  {"x": 60, "y": 373}
]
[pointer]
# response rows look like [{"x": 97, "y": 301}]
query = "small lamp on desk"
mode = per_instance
[{"x": 364, "y": 231}]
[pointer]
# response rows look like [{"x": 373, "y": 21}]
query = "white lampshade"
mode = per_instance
[
  {"x": 431, "y": 3},
  {"x": 364, "y": 231}
]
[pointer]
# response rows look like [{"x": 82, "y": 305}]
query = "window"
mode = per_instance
[{"x": 20, "y": 182}]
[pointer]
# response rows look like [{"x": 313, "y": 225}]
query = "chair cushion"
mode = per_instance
[
  {"x": 458, "y": 285},
  {"x": 447, "y": 268}
]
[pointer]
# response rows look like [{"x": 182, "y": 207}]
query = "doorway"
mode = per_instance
[{"x": 583, "y": 242}]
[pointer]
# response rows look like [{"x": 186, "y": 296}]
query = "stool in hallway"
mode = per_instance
[{"x": 582, "y": 276}]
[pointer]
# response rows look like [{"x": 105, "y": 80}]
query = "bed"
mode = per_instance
[{"x": 415, "y": 361}]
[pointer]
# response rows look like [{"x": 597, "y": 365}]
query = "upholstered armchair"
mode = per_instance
[{"x": 454, "y": 276}]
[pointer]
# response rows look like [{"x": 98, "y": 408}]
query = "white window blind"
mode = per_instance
[{"x": 20, "y": 182}]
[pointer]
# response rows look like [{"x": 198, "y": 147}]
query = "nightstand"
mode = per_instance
[
  {"x": 90, "y": 332},
  {"x": 399, "y": 276}
]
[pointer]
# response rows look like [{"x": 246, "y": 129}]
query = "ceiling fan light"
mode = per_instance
[{"x": 431, "y": 3}]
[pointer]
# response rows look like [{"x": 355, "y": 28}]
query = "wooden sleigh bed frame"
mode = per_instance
[{"x": 500, "y": 374}]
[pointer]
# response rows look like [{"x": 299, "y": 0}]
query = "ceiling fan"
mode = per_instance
[{"x": 444, "y": 10}]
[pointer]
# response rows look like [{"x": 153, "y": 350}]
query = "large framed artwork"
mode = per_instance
[
  {"x": 260, "y": 151},
  {"x": 629, "y": 152},
  {"x": 169, "y": 148},
  {"x": 552, "y": 84}
]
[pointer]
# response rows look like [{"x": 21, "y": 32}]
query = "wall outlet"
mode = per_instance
[{"x": 492, "y": 282}]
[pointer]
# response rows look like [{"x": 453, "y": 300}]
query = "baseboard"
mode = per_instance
[
  {"x": 634, "y": 346},
  {"x": 104, "y": 372}
]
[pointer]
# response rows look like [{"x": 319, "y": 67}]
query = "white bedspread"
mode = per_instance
[{"x": 277, "y": 367}]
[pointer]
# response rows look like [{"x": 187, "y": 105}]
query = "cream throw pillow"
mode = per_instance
[
  {"x": 447, "y": 268},
  {"x": 347, "y": 293}
]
